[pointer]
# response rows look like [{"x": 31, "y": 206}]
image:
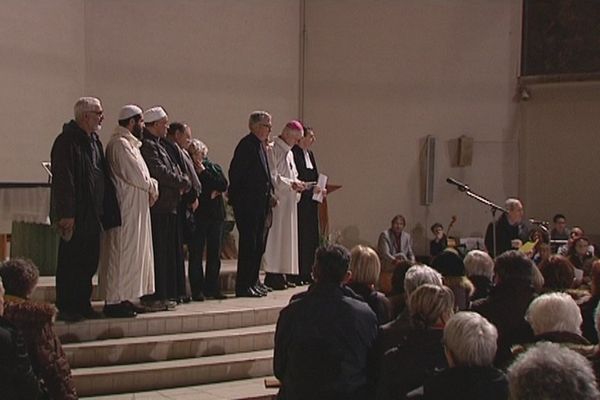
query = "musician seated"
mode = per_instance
[{"x": 439, "y": 242}]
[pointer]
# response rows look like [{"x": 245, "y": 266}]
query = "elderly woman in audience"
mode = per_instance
[
  {"x": 470, "y": 347},
  {"x": 392, "y": 333},
  {"x": 452, "y": 268},
  {"x": 508, "y": 301},
  {"x": 479, "y": 268},
  {"x": 365, "y": 268},
  {"x": 548, "y": 371},
  {"x": 419, "y": 353},
  {"x": 555, "y": 317},
  {"x": 36, "y": 321},
  {"x": 17, "y": 380}
]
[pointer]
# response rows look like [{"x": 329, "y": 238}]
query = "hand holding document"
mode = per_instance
[{"x": 321, "y": 184}]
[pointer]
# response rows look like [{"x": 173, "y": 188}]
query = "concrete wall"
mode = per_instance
[
  {"x": 560, "y": 153},
  {"x": 382, "y": 75},
  {"x": 41, "y": 75}
]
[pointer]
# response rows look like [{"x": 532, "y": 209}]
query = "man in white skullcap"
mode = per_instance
[
  {"x": 126, "y": 270},
  {"x": 172, "y": 183},
  {"x": 83, "y": 202}
]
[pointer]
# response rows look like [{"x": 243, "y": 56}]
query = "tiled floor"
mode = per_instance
[{"x": 217, "y": 391}]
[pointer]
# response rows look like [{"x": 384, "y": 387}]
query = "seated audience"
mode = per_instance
[
  {"x": 540, "y": 237},
  {"x": 420, "y": 352},
  {"x": 581, "y": 255},
  {"x": 589, "y": 306},
  {"x": 479, "y": 268},
  {"x": 393, "y": 246},
  {"x": 555, "y": 317},
  {"x": 36, "y": 322},
  {"x": 558, "y": 273},
  {"x": 392, "y": 333},
  {"x": 548, "y": 371},
  {"x": 574, "y": 234},
  {"x": 323, "y": 339},
  {"x": 508, "y": 301},
  {"x": 397, "y": 296},
  {"x": 559, "y": 228},
  {"x": 365, "y": 268},
  {"x": 439, "y": 241},
  {"x": 17, "y": 379},
  {"x": 452, "y": 268},
  {"x": 470, "y": 347}
]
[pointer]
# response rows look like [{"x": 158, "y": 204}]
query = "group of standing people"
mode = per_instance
[
  {"x": 270, "y": 185},
  {"x": 128, "y": 212},
  {"x": 124, "y": 213}
]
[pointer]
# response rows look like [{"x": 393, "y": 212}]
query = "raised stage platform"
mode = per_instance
[{"x": 216, "y": 349}]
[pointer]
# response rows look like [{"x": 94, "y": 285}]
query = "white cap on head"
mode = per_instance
[
  {"x": 129, "y": 111},
  {"x": 154, "y": 114}
]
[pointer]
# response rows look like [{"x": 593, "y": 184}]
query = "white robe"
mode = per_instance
[
  {"x": 281, "y": 254},
  {"x": 126, "y": 269}
]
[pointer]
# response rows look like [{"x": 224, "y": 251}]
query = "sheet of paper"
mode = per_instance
[{"x": 321, "y": 183}]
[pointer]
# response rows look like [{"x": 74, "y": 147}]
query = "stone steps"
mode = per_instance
[
  {"x": 174, "y": 373},
  {"x": 144, "y": 349}
]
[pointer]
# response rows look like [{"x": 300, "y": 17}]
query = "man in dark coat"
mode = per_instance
[
  {"x": 172, "y": 183},
  {"x": 308, "y": 209},
  {"x": 83, "y": 201},
  {"x": 251, "y": 195},
  {"x": 324, "y": 339},
  {"x": 511, "y": 231},
  {"x": 507, "y": 303}
]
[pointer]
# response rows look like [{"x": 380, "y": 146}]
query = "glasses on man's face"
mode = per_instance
[
  {"x": 98, "y": 113},
  {"x": 267, "y": 125}
]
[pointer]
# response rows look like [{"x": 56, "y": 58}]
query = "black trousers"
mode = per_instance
[
  {"x": 209, "y": 234},
  {"x": 308, "y": 235},
  {"x": 165, "y": 241},
  {"x": 253, "y": 228},
  {"x": 77, "y": 263}
]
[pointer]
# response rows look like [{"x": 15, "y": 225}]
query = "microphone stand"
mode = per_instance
[{"x": 493, "y": 208}]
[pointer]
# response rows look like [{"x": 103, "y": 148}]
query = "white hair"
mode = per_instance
[
  {"x": 512, "y": 203},
  {"x": 198, "y": 146},
  {"x": 418, "y": 275},
  {"x": 471, "y": 340},
  {"x": 85, "y": 104},
  {"x": 551, "y": 372},
  {"x": 479, "y": 263},
  {"x": 258, "y": 116},
  {"x": 553, "y": 312}
]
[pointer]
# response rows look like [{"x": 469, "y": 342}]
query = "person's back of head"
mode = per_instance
[
  {"x": 429, "y": 305},
  {"x": 20, "y": 277},
  {"x": 449, "y": 264},
  {"x": 554, "y": 312},
  {"x": 548, "y": 371},
  {"x": 558, "y": 273},
  {"x": 418, "y": 275},
  {"x": 364, "y": 265},
  {"x": 479, "y": 263},
  {"x": 331, "y": 264},
  {"x": 470, "y": 340},
  {"x": 399, "y": 275},
  {"x": 513, "y": 266}
]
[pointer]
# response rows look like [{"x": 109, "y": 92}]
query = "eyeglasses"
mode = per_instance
[
  {"x": 267, "y": 126},
  {"x": 98, "y": 113}
]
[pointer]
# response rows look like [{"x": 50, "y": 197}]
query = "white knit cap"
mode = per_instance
[
  {"x": 154, "y": 114},
  {"x": 129, "y": 111}
]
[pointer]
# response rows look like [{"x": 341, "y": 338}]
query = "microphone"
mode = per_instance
[
  {"x": 461, "y": 186},
  {"x": 538, "y": 222}
]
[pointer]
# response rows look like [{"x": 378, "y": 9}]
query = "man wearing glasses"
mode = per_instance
[
  {"x": 251, "y": 195},
  {"x": 83, "y": 202}
]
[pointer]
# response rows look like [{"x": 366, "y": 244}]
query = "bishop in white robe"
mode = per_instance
[{"x": 281, "y": 254}]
